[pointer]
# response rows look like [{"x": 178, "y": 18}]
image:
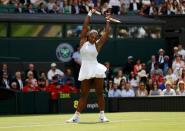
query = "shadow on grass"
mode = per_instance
[{"x": 91, "y": 122}]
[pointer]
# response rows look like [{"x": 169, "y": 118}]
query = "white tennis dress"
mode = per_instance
[{"x": 90, "y": 68}]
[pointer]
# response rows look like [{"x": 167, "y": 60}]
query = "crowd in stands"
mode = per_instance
[
  {"x": 118, "y": 7},
  {"x": 162, "y": 75},
  {"x": 54, "y": 82}
]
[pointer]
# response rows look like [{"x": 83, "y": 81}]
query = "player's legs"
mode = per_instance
[
  {"x": 85, "y": 87},
  {"x": 101, "y": 102},
  {"x": 99, "y": 92}
]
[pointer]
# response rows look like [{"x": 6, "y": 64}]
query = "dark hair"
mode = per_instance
[{"x": 156, "y": 83}]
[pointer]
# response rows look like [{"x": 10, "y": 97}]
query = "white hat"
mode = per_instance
[
  {"x": 142, "y": 73},
  {"x": 160, "y": 50},
  {"x": 130, "y": 57},
  {"x": 53, "y": 64},
  {"x": 175, "y": 48}
]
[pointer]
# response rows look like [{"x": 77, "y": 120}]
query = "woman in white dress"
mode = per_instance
[{"x": 91, "y": 72}]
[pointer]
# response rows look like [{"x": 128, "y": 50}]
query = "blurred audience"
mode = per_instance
[{"x": 117, "y": 7}]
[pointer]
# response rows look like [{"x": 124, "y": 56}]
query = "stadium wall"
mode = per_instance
[
  {"x": 44, "y": 50},
  {"x": 40, "y": 103}
]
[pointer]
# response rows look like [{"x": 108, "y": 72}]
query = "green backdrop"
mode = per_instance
[{"x": 115, "y": 51}]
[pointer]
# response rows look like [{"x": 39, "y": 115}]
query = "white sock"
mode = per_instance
[{"x": 101, "y": 112}]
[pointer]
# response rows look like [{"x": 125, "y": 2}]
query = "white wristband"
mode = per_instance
[{"x": 90, "y": 13}]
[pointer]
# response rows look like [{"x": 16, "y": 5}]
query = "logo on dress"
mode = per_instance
[{"x": 64, "y": 52}]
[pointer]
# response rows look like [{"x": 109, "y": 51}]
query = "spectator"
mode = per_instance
[
  {"x": 156, "y": 70},
  {"x": 122, "y": 84},
  {"x": 168, "y": 91},
  {"x": 153, "y": 10},
  {"x": 119, "y": 77},
  {"x": 42, "y": 9},
  {"x": 60, "y": 5},
  {"x": 54, "y": 10},
  {"x": 29, "y": 9},
  {"x": 158, "y": 77},
  {"x": 109, "y": 72},
  {"x": 123, "y": 9},
  {"x": 183, "y": 7},
  {"x": 50, "y": 5},
  {"x": 75, "y": 7},
  {"x": 141, "y": 90},
  {"x": 137, "y": 66},
  {"x": 133, "y": 80},
  {"x": 150, "y": 63},
  {"x": 5, "y": 70},
  {"x": 126, "y": 3},
  {"x": 115, "y": 5},
  {"x": 4, "y": 82},
  {"x": 42, "y": 84},
  {"x": 14, "y": 86},
  {"x": 54, "y": 71},
  {"x": 44, "y": 77},
  {"x": 18, "y": 8},
  {"x": 144, "y": 11},
  {"x": 160, "y": 58},
  {"x": 18, "y": 80},
  {"x": 171, "y": 77},
  {"x": 181, "y": 88},
  {"x": 182, "y": 75},
  {"x": 104, "y": 8},
  {"x": 69, "y": 87},
  {"x": 181, "y": 51},
  {"x": 174, "y": 9},
  {"x": 69, "y": 76},
  {"x": 167, "y": 64},
  {"x": 135, "y": 6},
  {"x": 54, "y": 90},
  {"x": 129, "y": 66},
  {"x": 109, "y": 86},
  {"x": 127, "y": 91},
  {"x": 31, "y": 80},
  {"x": 142, "y": 76},
  {"x": 82, "y": 6},
  {"x": 114, "y": 91},
  {"x": 177, "y": 65},
  {"x": 163, "y": 9},
  {"x": 28, "y": 86},
  {"x": 31, "y": 67},
  {"x": 155, "y": 91},
  {"x": 175, "y": 52},
  {"x": 67, "y": 7},
  {"x": 149, "y": 84}
]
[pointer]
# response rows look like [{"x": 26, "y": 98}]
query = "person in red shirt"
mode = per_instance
[{"x": 28, "y": 87}]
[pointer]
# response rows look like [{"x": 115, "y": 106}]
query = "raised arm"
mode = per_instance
[
  {"x": 105, "y": 35},
  {"x": 83, "y": 35}
]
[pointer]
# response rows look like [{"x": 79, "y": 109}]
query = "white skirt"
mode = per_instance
[{"x": 90, "y": 70}]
